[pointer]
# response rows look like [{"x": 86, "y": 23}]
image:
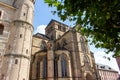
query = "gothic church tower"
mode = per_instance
[{"x": 16, "y": 27}]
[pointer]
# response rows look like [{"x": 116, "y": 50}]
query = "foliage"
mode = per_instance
[{"x": 99, "y": 19}]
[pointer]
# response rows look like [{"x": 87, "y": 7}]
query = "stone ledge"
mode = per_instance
[{"x": 17, "y": 55}]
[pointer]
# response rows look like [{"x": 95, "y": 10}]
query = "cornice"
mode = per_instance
[
  {"x": 21, "y": 21},
  {"x": 17, "y": 55}
]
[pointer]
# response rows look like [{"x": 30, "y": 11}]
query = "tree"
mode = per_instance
[{"x": 99, "y": 20}]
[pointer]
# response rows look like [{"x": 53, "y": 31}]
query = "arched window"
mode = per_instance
[
  {"x": 44, "y": 68},
  {"x": 38, "y": 69},
  {"x": 43, "y": 46},
  {"x": 16, "y": 61},
  {"x": 82, "y": 42},
  {"x": 1, "y": 29},
  {"x": 63, "y": 66},
  {"x": 86, "y": 59},
  {"x": 56, "y": 67},
  {"x": 87, "y": 63}
]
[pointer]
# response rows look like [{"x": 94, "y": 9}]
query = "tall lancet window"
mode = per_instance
[
  {"x": 82, "y": 42},
  {"x": 44, "y": 68},
  {"x": 56, "y": 67},
  {"x": 38, "y": 70},
  {"x": 63, "y": 66}
]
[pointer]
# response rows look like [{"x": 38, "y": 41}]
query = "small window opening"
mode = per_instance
[
  {"x": 9, "y": 47},
  {"x": 23, "y": 78},
  {"x": 20, "y": 35},
  {"x": 27, "y": 51},
  {"x": 0, "y": 14},
  {"x": 24, "y": 14},
  {"x": 1, "y": 29},
  {"x": 16, "y": 61}
]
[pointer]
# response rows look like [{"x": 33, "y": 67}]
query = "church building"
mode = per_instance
[{"x": 61, "y": 54}]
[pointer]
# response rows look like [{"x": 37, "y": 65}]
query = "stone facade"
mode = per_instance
[
  {"x": 61, "y": 54},
  {"x": 16, "y": 29}
]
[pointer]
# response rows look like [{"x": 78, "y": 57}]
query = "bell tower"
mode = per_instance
[
  {"x": 17, "y": 56},
  {"x": 55, "y": 29}
]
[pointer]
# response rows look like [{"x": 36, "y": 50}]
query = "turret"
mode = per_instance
[
  {"x": 17, "y": 56},
  {"x": 55, "y": 29}
]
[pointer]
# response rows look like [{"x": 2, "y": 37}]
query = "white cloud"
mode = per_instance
[
  {"x": 40, "y": 29},
  {"x": 101, "y": 57}
]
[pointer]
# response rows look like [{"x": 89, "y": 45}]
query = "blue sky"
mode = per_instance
[{"x": 43, "y": 16}]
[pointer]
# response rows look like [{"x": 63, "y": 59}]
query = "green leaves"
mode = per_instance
[
  {"x": 108, "y": 16},
  {"x": 98, "y": 19}
]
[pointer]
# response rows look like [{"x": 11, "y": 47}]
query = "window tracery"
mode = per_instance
[
  {"x": 41, "y": 68},
  {"x": 63, "y": 66}
]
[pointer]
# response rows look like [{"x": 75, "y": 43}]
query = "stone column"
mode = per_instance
[
  {"x": 50, "y": 62},
  {"x": 50, "y": 65},
  {"x": 69, "y": 70},
  {"x": 75, "y": 74},
  {"x": 75, "y": 58}
]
